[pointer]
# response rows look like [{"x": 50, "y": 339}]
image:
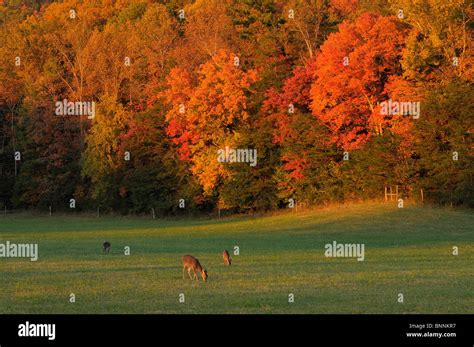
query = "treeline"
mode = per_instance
[{"x": 338, "y": 99}]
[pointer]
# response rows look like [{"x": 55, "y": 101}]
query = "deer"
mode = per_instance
[
  {"x": 227, "y": 259},
  {"x": 191, "y": 263},
  {"x": 106, "y": 246}
]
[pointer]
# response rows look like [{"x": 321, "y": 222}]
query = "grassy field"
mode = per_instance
[{"x": 407, "y": 251}]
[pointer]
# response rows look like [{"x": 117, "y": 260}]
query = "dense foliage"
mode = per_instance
[{"x": 304, "y": 83}]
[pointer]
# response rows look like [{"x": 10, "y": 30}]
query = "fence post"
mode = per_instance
[
  {"x": 422, "y": 200},
  {"x": 385, "y": 193},
  {"x": 153, "y": 212}
]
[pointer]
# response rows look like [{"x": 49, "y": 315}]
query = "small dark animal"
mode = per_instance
[
  {"x": 106, "y": 246},
  {"x": 191, "y": 263},
  {"x": 227, "y": 259}
]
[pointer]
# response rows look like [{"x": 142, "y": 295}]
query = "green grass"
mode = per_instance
[{"x": 407, "y": 251}]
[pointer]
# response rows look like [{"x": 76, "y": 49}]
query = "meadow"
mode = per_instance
[{"x": 408, "y": 251}]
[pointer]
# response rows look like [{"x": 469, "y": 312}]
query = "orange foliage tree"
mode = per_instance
[
  {"x": 353, "y": 70},
  {"x": 207, "y": 111}
]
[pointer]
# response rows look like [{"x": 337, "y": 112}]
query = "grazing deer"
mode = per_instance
[
  {"x": 191, "y": 263},
  {"x": 106, "y": 246},
  {"x": 227, "y": 259}
]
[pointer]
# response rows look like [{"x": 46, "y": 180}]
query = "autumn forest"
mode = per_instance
[{"x": 235, "y": 105}]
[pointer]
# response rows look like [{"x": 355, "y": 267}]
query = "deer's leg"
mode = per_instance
[
  {"x": 183, "y": 272},
  {"x": 189, "y": 273}
]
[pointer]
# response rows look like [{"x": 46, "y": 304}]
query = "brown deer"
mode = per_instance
[
  {"x": 191, "y": 263},
  {"x": 227, "y": 259},
  {"x": 106, "y": 247}
]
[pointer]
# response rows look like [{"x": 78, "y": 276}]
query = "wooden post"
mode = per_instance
[
  {"x": 50, "y": 210},
  {"x": 385, "y": 193},
  {"x": 396, "y": 191},
  {"x": 421, "y": 191},
  {"x": 98, "y": 212},
  {"x": 391, "y": 193},
  {"x": 219, "y": 211},
  {"x": 153, "y": 212}
]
